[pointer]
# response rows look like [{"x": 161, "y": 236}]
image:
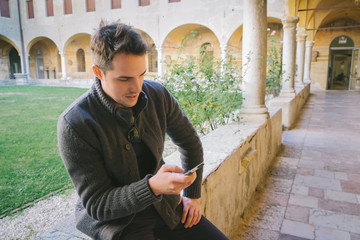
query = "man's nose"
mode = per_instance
[{"x": 136, "y": 85}]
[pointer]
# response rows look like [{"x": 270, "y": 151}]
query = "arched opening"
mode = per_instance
[
  {"x": 341, "y": 60},
  {"x": 15, "y": 63},
  {"x": 80, "y": 57},
  {"x": 206, "y": 52}
]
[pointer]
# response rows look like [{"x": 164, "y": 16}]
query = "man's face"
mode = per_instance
[{"x": 124, "y": 82}]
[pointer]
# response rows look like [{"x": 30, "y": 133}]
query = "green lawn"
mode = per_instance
[{"x": 30, "y": 165}]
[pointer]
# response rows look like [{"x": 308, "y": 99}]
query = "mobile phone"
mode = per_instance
[{"x": 191, "y": 171}]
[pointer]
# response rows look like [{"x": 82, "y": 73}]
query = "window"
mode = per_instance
[
  {"x": 67, "y": 7},
  {"x": 49, "y": 8},
  {"x": 171, "y": 1},
  {"x": 90, "y": 5},
  {"x": 4, "y": 8},
  {"x": 80, "y": 57},
  {"x": 30, "y": 8},
  {"x": 115, "y": 4},
  {"x": 143, "y": 3}
]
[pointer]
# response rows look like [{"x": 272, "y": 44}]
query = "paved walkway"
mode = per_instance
[{"x": 313, "y": 188}]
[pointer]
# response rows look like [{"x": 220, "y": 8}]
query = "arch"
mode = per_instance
[
  {"x": 152, "y": 54},
  {"x": 40, "y": 38},
  {"x": 185, "y": 27},
  {"x": 43, "y": 58},
  {"x": 72, "y": 59},
  {"x": 9, "y": 41},
  {"x": 342, "y": 41}
]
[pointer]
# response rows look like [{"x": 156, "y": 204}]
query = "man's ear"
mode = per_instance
[{"x": 97, "y": 71}]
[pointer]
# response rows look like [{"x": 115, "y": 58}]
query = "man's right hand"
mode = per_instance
[{"x": 170, "y": 180}]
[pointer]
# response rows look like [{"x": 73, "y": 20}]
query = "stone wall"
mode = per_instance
[
  {"x": 291, "y": 107},
  {"x": 237, "y": 157}
]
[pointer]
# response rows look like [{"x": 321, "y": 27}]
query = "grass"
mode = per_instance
[{"x": 30, "y": 165}]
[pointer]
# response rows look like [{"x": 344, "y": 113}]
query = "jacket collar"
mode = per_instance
[{"x": 123, "y": 114}]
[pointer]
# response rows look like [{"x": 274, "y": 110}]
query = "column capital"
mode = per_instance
[
  {"x": 159, "y": 48},
  {"x": 224, "y": 45},
  {"x": 62, "y": 52},
  {"x": 290, "y": 22},
  {"x": 309, "y": 43}
]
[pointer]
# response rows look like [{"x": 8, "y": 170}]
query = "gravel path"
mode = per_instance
[{"x": 43, "y": 216}]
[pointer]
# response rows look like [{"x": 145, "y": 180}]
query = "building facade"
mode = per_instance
[{"x": 50, "y": 39}]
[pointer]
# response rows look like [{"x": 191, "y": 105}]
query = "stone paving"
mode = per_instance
[{"x": 312, "y": 190}]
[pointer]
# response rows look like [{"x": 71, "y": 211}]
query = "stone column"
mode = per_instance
[
  {"x": 223, "y": 56},
  {"x": 160, "y": 60},
  {"x": 300, "y": 57},
  {"x": 307, "y": 65},
  {"x": 254, "y": 61},
  {"x": 288, "y": 56},
  {"x": 63, "y": 65}
]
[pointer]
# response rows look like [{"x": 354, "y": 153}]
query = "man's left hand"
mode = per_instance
[{"x": 191, "y": 212}]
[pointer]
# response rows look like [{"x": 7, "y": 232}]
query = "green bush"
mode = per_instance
[{"x": 207, "y": 90}]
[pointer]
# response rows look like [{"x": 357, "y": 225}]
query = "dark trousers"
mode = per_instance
[{"x": 148, "y": 225}]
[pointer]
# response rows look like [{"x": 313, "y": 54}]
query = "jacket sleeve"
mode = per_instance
[
  {"x": 85, "y": 166},
  {"x": 183, "y": 134}
]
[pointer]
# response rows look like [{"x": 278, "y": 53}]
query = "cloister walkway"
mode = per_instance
[{"x": 312, "y": 190}]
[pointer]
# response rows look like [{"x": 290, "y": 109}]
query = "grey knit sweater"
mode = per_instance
[{"x": 101, "y": 162}]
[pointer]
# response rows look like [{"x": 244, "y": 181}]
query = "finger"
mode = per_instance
[
  {"x": 189, "y": 219},
  {"x": 172, "y": 168},
  {"x": 198, "y": 218},
  {"x": 184, "y": 215}
]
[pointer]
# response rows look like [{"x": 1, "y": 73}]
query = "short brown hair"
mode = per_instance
[{"x": 113, "y": 38}]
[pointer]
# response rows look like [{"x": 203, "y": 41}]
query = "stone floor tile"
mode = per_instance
[
  {"x": 340, "y": 207},
  {"x": 252, "y": 233},
  {"x": 331, "y": 234},
  {"x": 341, "y": 176},
  {"x": 305, "y": 171},
  {"x": 304, "y": 201},
  {"x": 304, "y": 163},
  {"x": 298, "y": 229},
  {"x": 324, "y": 173},
  {"x": 340, "y": 196},
  {"x": 290, "y": 237},
  {"x": 339, "y": 221},
  {"x": 290, "y": 151},
  {"x": 297, "y": 213},
  {"x": 300, "y": 189},
  {"x": 358, "y": 198},
  {"x": 351, "y": 187},
  {"x": 354, "y": 177},
  {"x": 316, "y": 192},
  {"x": 318, "y": 182},
  {"x": 355, "y": 236}
]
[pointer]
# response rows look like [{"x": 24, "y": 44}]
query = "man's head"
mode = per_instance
[
  {"x": 114, "y": 38},
  {"x": 119, "y": 62}
]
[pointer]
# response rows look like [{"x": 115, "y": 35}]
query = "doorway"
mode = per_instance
[
  {"x": 343, "y": 61},
  {"x": 15, "y": 64}
]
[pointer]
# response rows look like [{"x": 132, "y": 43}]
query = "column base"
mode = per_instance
[
  {"x": 299, "y": 85},
  {"x": 287, "y": 93},
  {"x": 254, "y": 114}
]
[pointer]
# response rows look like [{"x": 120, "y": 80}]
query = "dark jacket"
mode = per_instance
[{"x": 101, "y": 162}]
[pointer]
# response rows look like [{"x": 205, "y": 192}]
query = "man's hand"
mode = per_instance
[
  {"x": 191, "y": 212},
  {"x": 170, "y": 180}
]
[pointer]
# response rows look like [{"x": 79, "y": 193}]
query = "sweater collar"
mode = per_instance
[{"x": 123, "y": 114}]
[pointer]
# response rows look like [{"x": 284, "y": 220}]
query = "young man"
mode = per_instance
[{"x": 111, "y": 141}]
